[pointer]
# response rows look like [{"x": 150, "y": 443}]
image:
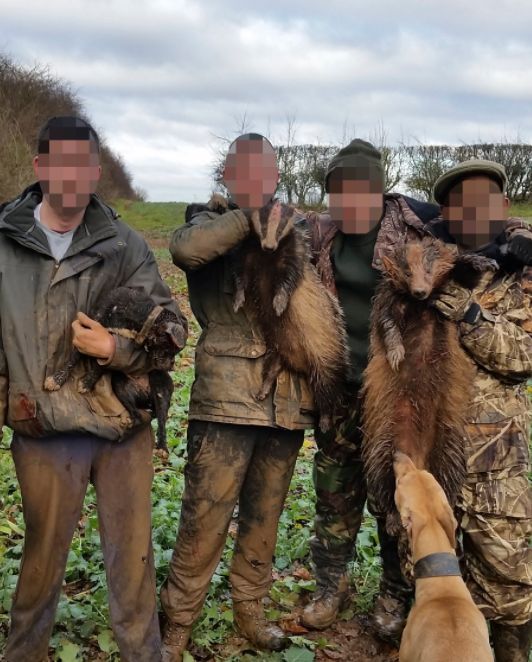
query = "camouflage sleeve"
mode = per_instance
[
  {"x": 502, "y": 341},
  {"x": 519, "y": 240}
]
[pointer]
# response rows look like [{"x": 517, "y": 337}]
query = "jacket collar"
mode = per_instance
[{"x": 18, "y": 222}]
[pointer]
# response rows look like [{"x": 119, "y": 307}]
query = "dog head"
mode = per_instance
[{"x": 420, "y": 499}]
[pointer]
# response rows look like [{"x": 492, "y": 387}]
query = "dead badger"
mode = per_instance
[
  {"x": 418, "y": 382},
  {"x": 130, "y": 312},
  {"x": 302, "y": 323}
]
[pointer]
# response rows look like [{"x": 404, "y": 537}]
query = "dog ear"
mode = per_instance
[
  {"x": 176, "y": 334},
  {"x": 449, "y": 524}
]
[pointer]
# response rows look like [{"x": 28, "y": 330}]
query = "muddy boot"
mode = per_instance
[
  {"x": 328, "y": 601},
  {"x": 252, "y": 624},
  {"x": 332, "y": 583},
  {"x": 175, "y": 641},
  {"x": 511, "y": 643},
  {"x": 390, "y": 611}
]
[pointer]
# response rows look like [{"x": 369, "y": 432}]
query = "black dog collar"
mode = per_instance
[{"x": 441, "y": 564}]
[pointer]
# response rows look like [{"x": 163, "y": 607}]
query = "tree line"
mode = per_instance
[
  {"x": 28, "y": 97},
  {"x": 408, "y": 167}
]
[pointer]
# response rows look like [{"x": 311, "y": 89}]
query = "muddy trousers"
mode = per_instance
[
  {"x": 54, "y": 473},
  {"x": 340, "y": 499},
  {"x": 228, "y": 463}
]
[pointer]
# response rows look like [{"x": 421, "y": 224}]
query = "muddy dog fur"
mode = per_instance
[
  {"x": 418, "y": 382},
  {"x": 301, "y": 321},
  {"x": 124, "y": 311}
]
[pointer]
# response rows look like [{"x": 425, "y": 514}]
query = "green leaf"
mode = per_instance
[
  {"x": 187, "y": 657},
  {"x": 69, "y": 652},
  {"x": 106, "y": 641},
  {"x": 297, "y": 654}
]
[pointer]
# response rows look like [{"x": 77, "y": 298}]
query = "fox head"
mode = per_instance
[
  {"x": 420, "y": 266},
  {"x": 271, "y": 224}
]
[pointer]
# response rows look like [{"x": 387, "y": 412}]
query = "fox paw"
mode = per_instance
[{"x": 395, "y": 356}]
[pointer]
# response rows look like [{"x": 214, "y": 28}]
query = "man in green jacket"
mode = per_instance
[
  {"x": 61, "y": 249},
  {"x": 239, "y": 449}
]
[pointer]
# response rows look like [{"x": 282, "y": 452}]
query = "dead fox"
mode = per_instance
[
  {"x": 417, "y": 384},
  {"x": 302, "y": 323}
]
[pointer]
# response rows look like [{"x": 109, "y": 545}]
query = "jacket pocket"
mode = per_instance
[
  {"x": 103, "y": 401},
  {"x": 23, "y": 415},
  {"x": 242, "y": 347}
]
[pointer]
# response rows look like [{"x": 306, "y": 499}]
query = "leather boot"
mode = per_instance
[
  {"x": 388, "y": 618},
  {"x": 511, "y": 643},
  {"x": 328, "y": 600},
  {"x": 251, "y": 623},
  {"x": 175, "y": 641}
]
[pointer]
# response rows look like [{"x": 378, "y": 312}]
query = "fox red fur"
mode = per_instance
[
  {"x": 302, "y": 323},
  {"x": 418, "y": 381}
]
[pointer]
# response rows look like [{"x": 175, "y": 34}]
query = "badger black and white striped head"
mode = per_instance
[{"x": 272, "y": 223}]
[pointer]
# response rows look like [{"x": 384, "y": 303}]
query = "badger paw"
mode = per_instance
[
  {"x": 280, "y": 302},
  {"x": 479, "y": 262},
  {"x": 239, "y": 300},
  {"x": 325, "y": 423},
  {"x": 395, "y": 356},
  {"x": 51, "y": 385}
]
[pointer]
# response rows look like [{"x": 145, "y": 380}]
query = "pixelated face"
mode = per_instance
[
  {"x": 68, "y": 174},
  {"x": 251, "y": 174},
  {"x": 356, "y": 198},
  {"x": 476, "y": 211}
]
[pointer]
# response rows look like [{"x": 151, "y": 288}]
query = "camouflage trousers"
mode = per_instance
[
  {"x": 495, "y": 515},
  {"x": 340, "y": 499}
]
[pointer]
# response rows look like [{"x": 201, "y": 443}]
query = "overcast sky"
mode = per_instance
[{"x": 162, "y": 78}]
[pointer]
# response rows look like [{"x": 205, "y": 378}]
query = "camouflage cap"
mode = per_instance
[
  {"x": 358, "y": 154},
  {"x": 465, "y": 169}
]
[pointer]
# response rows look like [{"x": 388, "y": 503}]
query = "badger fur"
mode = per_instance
[{"x": 302, "y": 323}]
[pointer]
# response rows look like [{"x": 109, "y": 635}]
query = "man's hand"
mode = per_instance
[
  {"x": 91, "y": 338},
  {"x": 453, "y": 301}
]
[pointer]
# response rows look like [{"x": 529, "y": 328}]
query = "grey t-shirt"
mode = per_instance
[{"x": 59, "y": 242}]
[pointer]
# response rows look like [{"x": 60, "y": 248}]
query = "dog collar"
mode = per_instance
[
  {"x": 441, "y": 564},
  {"x": 143, "y": 333}
]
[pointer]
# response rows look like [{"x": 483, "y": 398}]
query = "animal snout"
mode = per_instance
[
  {"x": 420, "y": 293},
  {"x": 269, "y": 248}
]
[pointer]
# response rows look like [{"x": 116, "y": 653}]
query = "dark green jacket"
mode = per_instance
[
  {"x": 230, "y": 351},
  {"x": 39, "y": 299}
]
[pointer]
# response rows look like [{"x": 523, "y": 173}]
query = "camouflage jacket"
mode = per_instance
[
  {"x": 39, "y": 299},
  {"x": 499, "y": 346}
]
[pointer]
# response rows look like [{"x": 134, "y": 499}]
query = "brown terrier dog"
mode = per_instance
[{"x": 444, "y": 624}]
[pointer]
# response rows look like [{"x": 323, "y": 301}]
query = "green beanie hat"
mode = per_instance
[
  {"x": 359, "y": 154},
  {"x": 465, "y": 169}
]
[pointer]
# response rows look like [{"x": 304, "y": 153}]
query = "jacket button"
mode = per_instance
[{"x": 253, "y": 352}]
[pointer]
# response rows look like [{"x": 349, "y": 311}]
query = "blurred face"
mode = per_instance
[
  {"x": 476, "y": 211},
  {"x": 68, "y": 174},
  {"x": 356, "y": 199},
  {"x": 251, "y": 174}
]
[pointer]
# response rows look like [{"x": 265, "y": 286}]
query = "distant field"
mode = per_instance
[
  {"x": 523, "y": 209},
  {"x": 156, "y": 220}
]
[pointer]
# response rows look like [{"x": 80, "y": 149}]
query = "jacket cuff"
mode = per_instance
[{"x": 128, "y": 357}]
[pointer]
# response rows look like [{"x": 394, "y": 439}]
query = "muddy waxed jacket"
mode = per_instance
[
  {"x": 39, "y": 299},
  {"x": 230, "y": 351}
]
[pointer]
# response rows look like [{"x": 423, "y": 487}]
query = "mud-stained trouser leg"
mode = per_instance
[
  {"x": 260, "y": 505},
  {"x": 122, "y": 475},
  {"x": 53, "y": 475},
  {"x": 218, "y": 458}
]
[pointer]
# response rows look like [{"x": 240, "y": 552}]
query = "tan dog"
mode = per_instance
[{"x": 444, "y": 625}]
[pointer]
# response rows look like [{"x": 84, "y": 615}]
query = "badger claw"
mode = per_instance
[
  {"x": 51, "y": 385},
  {"x": 280, "y": 302},
  {"x": 395, "y": 356}
]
